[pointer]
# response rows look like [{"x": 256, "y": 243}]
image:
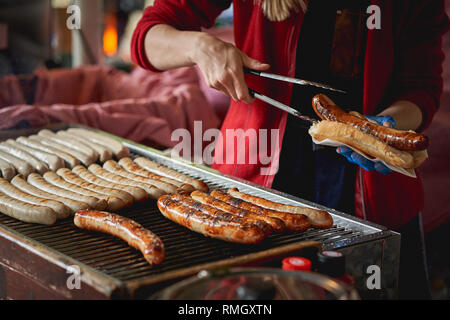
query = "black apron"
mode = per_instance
[{"x": 331, "y": 50}]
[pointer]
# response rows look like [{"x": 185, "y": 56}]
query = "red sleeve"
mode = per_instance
[
  {"x": 180, "y": 14},
  {"x": 418, "y": 75}
]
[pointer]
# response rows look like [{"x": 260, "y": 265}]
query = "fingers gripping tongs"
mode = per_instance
[{"x": 280, "y": 105}]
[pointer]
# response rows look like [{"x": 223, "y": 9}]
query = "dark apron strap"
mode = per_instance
[{"x": 308, "y": 171}]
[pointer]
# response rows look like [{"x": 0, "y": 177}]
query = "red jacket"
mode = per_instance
[{"x": 403, "y": 61}]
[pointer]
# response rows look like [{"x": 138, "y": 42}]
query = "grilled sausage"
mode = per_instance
[
  {"x": 294, "y": 222},
  {"x": 9, "y": 189},
  {"x": 7, "y": 170},
  {"x": 276, "y": 224},
  {"x": 21, "y": 166},
  {"x": 399, "y": 139},
  {"x": 152, "y": 191},
  {"x": 318, "y": 218},
  {"x": 138, "y": 194},
  {"x": 113, "y": 167},
  {"x": 39, "y": 182},
  {"x": 70, "y": 160},
  {"x": 188, "y": 201},
  {"x": 104, "y": 153},
  {"x": 116, "y": 199},
  {"x": 126, "y": 229},
  {"x": 129, "y": 165},
  {"x": 219, "y": 227},
  {"x": 38, "y": 165},
  {"x": 167, "y": 172},
  {"x": 26, "y": 212},
  {"x": 23, "y": 185},
  {"x": 53, "y": 162},
  {"x": 81, "y": 157},
  {"x": 117, "y": 148}
]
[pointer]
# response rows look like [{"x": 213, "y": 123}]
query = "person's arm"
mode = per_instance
[
  {"x": 221, "y": 63},
  {"x": 406, "y": 114},
  {"x": 417, "y": 81}
]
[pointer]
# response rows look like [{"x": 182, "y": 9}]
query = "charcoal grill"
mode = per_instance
[{"x": 42, "y": 262}]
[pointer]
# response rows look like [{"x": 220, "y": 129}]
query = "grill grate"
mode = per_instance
[{"x": 184, "y": 248}]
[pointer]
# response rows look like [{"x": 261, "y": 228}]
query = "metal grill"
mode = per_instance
[{"x": 113, "y": 258}]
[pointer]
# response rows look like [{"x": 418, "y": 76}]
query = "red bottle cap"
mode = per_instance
[{"x": 296, "y": 263}]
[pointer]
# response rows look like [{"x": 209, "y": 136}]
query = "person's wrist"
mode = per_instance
[{"x": 198, "y": 44}]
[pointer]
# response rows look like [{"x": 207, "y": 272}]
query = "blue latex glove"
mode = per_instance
[{"x": 359, "y": 160}]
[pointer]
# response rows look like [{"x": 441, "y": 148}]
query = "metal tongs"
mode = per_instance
[{"x": 280, "y": 105}]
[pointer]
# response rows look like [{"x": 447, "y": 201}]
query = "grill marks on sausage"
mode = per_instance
[
  {"x": 126, "y": 229},
  {"x": 212, "y": 226}
]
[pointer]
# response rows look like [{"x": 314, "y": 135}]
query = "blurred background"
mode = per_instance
[{"x": 50, "y": 73}]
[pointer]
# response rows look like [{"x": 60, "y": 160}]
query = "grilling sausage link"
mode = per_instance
[
  {"x": 23, "y": 185},
  {"x": 117, "y": 148},
  {"x": 113, "y": 167},
  {"x": 319, "y": 219},
  {"x": 39, "y": 182},
  {"x": 294, "y": 222},
  {"x": 399, "y": 139},
  {"x": 7, "y": 170},
  {"x": 38, "y": 165},
  {"x": 53, "y": 162},
  {"x": 138, "y": 194},
  {"x": 70, "y": 143},
  {"x": 9, "y": 189},
  {"x": 21, "y": 166},
  {"x": 80, "y": 156},
  {"x": 131, "y": 166},
  {"x": 126, "y": 229},
  {"x": 214, "y": 227},
  {"x": 104, "y": 153},
  {"x": 116, "y": 199},
  {"x": 26, "y": 212},
  {"x": 188, "y": 201},
  {"x": 276, "y": 224},
  {"x": 53, "y": 178},
  {"x": 167, "y": 172},
  {"x": 36, "y": 144},
  {"x": 152, "y": 191}
]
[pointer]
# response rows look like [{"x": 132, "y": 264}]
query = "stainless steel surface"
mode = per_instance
[
  {"x": 281, "y": 106},
  {"x": 291, "y": 80}
]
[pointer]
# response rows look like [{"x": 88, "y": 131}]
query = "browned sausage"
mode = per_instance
[
  {"x": 294, "y": 222},
  {"x": 276, "y": 224},
  {"x": 186, "y": 200},
  {"x": 214, "y": 227},
  {"x": 318, "y": 218},
  {"x": 399, "y": 139},
  {"x": 126, "y": 229}
]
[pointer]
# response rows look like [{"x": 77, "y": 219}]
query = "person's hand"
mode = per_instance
[
  {"x": 222, "y": 64},
  {"x": 365, "y": 163}
]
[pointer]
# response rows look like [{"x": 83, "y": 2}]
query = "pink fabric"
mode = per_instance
[
  {"x": 101, "y": 98},
  {"x": 435, "y": 172},
  {"x": 10, "y": 91}
]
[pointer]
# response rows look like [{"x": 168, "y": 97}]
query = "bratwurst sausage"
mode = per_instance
[
  {"x": 294, "y": 222},
  {"x": 214, "y": 227},
  {"x": 319, "y": 219},
  {"x": 401, "y": 140},
  {"x": 126, "y": 229}
]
